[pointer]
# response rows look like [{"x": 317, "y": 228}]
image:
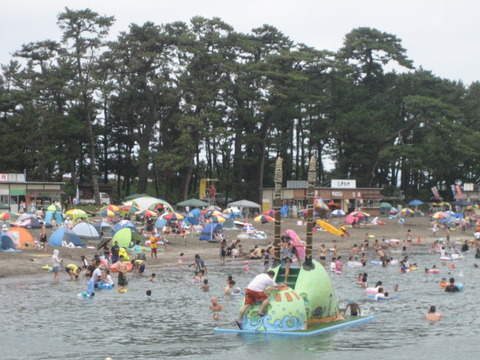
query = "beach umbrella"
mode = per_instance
[
  {"x": 173, "y": 216},
  {"x": 7, "y": 215},
  {"x": 359, "y": 214},
  {"x": 407, "y": 211},
  {"x": 147, "y": 213},
  {"x": 385, "y": 205},
  {"x": 129, "y": 209},
  {"x": 415, "y": 203},
  {"x": 218, "y": 219},
  {"x": 264, "y": 219},
  {"x": 76, "y": 214},
  {"x": 444, "y": 203},
  {"x": 113, "y": 208},
  {"x": 106, "y": 212},
  {"x": 338, "y": 212},
  {"x": 458, "y": 215},
  {"x": 440, "y": 215},
  {"x": 322, "y": 206},
  {"x": 334, "y": 204},
  {"x": 329, "y": 227}
]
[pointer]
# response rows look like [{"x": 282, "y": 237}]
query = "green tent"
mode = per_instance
[
  {"x": 193, "y": 203},
  {"x": 125, "y": 236}
]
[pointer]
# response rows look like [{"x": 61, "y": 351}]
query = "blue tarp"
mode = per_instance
[
  {"x": 208, "y": 231},
  {"x": 64, "y": 234}
]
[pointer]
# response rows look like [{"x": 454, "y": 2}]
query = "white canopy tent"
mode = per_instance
[{"x": 244, "y": 204}]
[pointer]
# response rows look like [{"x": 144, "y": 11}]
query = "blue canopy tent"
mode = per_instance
[
  {"x": 64, "y": 234},
  {"x": 209, "y": 230}
]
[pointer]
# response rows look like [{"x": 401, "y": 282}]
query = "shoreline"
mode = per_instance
[{"x": 29, "y": 262}]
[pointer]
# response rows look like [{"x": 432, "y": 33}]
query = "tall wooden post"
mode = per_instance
[
  {"x": 312, "y": 177},
  {"x": 277, "y": 207}
]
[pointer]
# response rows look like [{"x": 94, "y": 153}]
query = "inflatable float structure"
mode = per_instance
[{"x": 307, "y": 305}]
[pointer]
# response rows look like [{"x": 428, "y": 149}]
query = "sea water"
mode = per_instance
[{"x": 45, "y": 321}]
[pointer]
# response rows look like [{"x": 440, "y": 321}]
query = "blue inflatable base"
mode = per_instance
[{"x": 314, "y": 329}]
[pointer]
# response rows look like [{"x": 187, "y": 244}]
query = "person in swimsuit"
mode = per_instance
[
  {"x": 354, "y": 308},
  {"x": 432, "y": 314},
  {"x": 323, "y": 254},
  {"x": 286, "y": 256}
]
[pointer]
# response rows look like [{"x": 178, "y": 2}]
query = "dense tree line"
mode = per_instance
[{"x": 170, "y": 104}]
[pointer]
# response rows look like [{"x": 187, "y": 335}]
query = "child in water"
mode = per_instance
[
  {"x": 205, "y": 287},
  {"x": 180, "y": 259}
]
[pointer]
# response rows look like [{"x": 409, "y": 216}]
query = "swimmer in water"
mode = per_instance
[
  {"x": 432, "y": 314},
  {"x": 215, "y": 306}
]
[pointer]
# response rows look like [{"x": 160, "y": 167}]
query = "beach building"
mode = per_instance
[
  {"x": 343, "y": 192},
  {"x": 15, "y": 189}
]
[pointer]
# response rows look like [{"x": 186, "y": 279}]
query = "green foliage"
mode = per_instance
[{"x": 163, "y": 106}]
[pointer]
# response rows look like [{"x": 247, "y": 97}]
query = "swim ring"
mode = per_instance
[{"x": 105, "y": 286}]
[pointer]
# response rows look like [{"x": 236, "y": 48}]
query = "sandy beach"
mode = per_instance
[{"x": 31, "y": 261}]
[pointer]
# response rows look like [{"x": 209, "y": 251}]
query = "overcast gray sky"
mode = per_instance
[{"x": 439, "y": 35}]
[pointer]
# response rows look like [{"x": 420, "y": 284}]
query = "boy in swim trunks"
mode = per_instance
[
  {"x": 255, "y": 292},
  {"x": 354, "y": 308}
]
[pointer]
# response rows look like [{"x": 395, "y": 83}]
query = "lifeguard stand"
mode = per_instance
[{"x": 204, "y": 193}]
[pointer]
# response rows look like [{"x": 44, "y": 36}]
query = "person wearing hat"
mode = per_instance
[{"x": 354, "y": 308}]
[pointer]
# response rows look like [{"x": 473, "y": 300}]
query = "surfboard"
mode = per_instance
[{"x": 313, "y": 329}]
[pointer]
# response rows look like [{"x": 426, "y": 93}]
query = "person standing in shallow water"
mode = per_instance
[
  {"x": 122, "y": 273},
  {"x": 56, "y": 263}
]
